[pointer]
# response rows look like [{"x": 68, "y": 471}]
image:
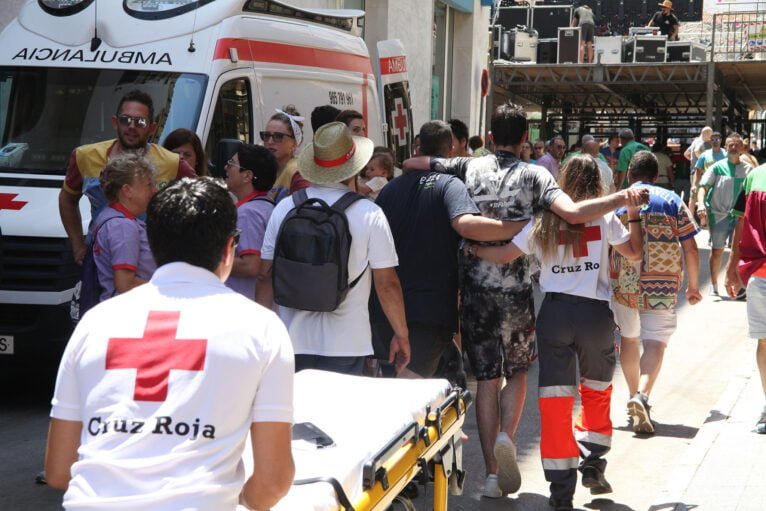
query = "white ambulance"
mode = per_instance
[{"x": 217, "y": 67}]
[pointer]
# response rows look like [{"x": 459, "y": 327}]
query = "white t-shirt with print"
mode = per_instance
[
  {"x": 587, "y": 275},
  {"x": 167, "y": 380},
  {"x": 344, "y": 332}
]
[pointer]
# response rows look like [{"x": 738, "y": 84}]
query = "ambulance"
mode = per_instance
[{"x": 218, "y": 67}]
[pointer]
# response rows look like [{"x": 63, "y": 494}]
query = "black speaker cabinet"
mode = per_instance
[
  {"x": 679, "y": 51},
  {"x": 547, "y": 19},
  {"x": 547, "y": 50},
  {"x": 569, "y": 45},
  {"x": 628, "y": 48},
  {"x": 511, "y": 17},
  {"x": 650, "y": 48}
]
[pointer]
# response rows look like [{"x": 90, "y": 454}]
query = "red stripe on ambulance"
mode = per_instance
[{"x": 279, "y": 53}]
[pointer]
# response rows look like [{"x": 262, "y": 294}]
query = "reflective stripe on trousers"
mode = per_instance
[{"x": 567, "y": 332}]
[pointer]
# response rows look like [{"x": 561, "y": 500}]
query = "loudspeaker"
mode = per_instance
[
  {"x": 650, "y": 48},
  {"x": 511, "y": 17},
  {"x": 547, "y": 50},
  {"x": 569, "y": 45},
  {"x": 547, "y": 19},
  {"x": 679, "y": 51}
]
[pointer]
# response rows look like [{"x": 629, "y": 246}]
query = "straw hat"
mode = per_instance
[
  {"x": 335, "y": 155},
  {"x": 667, "y": 3}
]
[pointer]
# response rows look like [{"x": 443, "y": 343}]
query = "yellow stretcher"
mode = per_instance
[{"x": 385, "y": 433}]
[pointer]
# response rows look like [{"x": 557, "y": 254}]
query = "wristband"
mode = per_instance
[{"x": 633, "y": 220}]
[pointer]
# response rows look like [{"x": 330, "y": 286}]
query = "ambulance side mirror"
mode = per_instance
[{"x": 225, "y": 149}]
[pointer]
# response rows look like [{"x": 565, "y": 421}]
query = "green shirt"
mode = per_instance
[{"x": 626, "y": 153}]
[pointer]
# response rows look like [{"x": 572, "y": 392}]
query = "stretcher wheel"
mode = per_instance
[
  {"x": 456, "y": 482},
  {"x": 402, "y": 503}
]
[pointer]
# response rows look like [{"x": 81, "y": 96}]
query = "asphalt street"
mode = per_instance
[{"x": 710, "y": 347}]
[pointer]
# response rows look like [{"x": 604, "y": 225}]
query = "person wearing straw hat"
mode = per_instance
[
  {"x": 666, "y": 21},
  {"x": 341, "y": 339}
]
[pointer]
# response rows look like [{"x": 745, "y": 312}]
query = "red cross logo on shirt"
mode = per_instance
[
  {"x": 7, "y": 202},
  {"x": 400, "y": 121},
  {"x": 155, "y": 354},
  {"x": 588, "y": 234}
]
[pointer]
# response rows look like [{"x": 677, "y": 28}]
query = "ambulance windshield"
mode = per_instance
[
  {"x": 158, "y": 9},
  {"x": 47, "y": 112}
]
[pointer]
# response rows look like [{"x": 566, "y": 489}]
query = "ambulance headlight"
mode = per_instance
[{"x": 64, "y": 7}]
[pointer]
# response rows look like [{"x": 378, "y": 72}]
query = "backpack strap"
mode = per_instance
[
  {"x": 300, "y": 197},
  {"x": 264, "y": 198},
  {"x": 346, "y": 200}
]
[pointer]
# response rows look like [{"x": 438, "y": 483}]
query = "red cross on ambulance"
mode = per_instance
[
  {"x": 7, "y": 201},
  {"x": 155, "y": 354},
  {"x": 399, "y": 117}
]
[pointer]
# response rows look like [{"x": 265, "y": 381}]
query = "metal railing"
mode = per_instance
[{"x": 739, "y": 35}]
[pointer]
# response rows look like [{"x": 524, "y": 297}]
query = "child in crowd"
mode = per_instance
[{"x": 378, "y": 172}]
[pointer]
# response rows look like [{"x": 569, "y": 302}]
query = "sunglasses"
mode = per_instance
[
  {"x": 276, "y": 136},
  {"x": 231, "y": 163},
  {"x": 127, "y": 120}
]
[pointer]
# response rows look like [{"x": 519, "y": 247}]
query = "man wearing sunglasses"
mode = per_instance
[
  {"x": 133, "y": 122},
  {"x": 552, "y": 159}
]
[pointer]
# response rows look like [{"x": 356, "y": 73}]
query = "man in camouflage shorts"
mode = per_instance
[{"x": 497, "y": 311}]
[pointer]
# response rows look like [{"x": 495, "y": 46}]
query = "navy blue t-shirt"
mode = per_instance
[{"x": 420, "y": 207}]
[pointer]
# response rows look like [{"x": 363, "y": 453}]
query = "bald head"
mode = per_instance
[{"x": 706, "y": 133}]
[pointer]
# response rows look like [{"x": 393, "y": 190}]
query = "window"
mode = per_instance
[
  {"x": 232, "y": 116},
  {"x": 47, "y": 112}
]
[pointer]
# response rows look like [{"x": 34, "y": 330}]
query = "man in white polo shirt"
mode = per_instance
[
  {"x": 341, "y": 339},
  {"x": 159, "y": 387}
]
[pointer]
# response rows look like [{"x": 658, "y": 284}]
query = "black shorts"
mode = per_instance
[
  {"x": 587, "y": 31},
  {"x": 427, "y": 344}
]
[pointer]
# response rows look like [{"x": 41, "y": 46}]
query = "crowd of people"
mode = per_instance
[{"x": 441, "y": 259}]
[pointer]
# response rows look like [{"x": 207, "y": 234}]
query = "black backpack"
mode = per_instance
[{"x": 310, "y": 269}]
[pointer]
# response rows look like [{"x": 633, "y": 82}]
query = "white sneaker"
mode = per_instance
[
  {"x": 508, "y": 475},
  {"x": 491, "y": 488}
]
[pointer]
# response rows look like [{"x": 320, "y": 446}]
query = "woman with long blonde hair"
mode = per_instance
[{"x": 575, "y": 324}]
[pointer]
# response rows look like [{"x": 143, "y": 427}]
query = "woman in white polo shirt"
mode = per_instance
[{"x": 575, "y": 324}]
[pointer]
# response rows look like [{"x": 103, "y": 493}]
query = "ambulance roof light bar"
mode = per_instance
[
  {"x": 348, "y": 20},
  {"x": 161, "y": 9},
  {"x": 64, "y": 7}
]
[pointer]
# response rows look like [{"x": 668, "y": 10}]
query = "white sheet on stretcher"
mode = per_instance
[{"x": 361, "y": 415}]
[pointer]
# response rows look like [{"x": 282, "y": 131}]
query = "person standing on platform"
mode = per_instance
[
  {"x": 630, "y": 146},
  {"x": 747, "y": 265},
  {"x": 645, "y": 295},
  {"x": 583, "y": 18},
  {"x": 666, "y": 21}
]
